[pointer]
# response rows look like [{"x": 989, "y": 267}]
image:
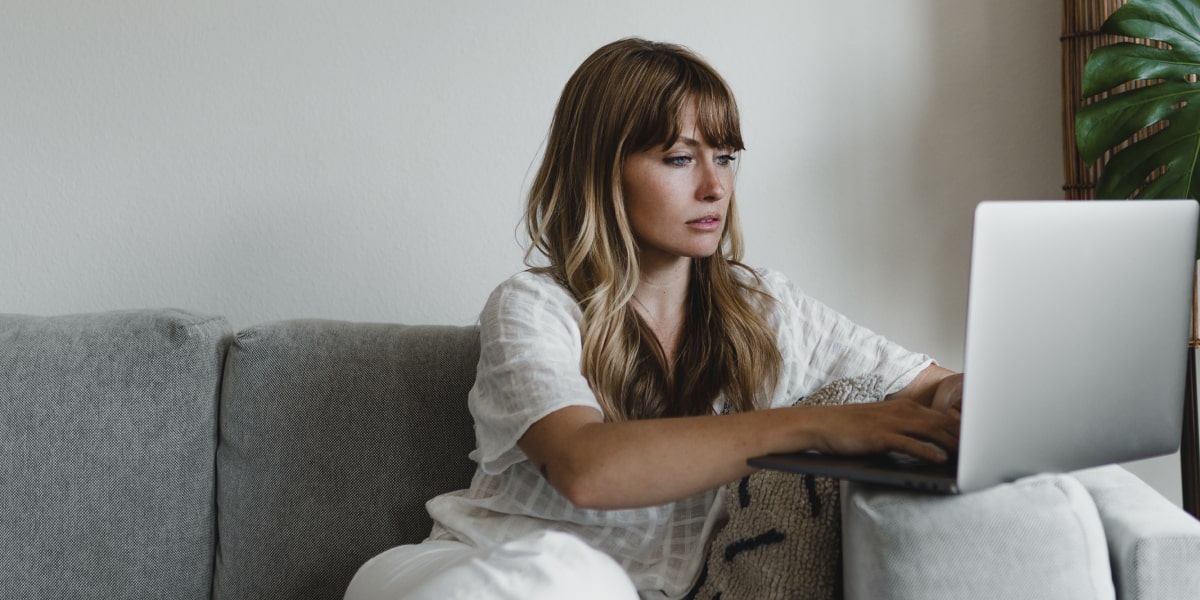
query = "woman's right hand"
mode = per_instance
[{"x": 899, "y": 424}]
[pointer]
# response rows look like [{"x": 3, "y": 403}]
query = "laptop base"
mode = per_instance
[{"x": 875, "y": 468}]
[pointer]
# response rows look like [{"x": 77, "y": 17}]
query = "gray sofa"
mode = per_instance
[{"x": 159, "y": 454}]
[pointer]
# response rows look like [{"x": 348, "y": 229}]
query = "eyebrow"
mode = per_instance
[
  {"x": 694, "y": 143},
  {"x": 687, "y": 141}
]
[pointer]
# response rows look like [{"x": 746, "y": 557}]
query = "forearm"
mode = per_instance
[
  {"x": 924, "y": 387},
  {"x": 644, "y": 463}
]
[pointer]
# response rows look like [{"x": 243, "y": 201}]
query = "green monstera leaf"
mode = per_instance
[{"x": 1171, "y": 100}]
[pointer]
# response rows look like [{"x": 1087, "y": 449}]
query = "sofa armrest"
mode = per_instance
[
  {"x": 1038, "y": 537},
  {"x": 1154, "y": 545}
]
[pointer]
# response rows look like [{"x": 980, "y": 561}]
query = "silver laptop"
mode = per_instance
[{"x": 1076, "y": 347}]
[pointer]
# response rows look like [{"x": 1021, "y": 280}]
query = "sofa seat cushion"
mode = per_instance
[
  {"x": 108, "y": 426},
  {"x": 1038, "y": 537},
  {"x": 333, "y": 437}
]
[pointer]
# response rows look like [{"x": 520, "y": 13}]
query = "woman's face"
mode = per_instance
[{"x": 678, "y": 198}]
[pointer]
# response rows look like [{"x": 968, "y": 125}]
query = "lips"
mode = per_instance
[{"x": 706, "y": 223}]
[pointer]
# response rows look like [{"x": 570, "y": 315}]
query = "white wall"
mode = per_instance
[{"x": 367, "y": 160}]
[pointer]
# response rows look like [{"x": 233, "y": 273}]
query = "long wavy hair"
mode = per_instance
[{"x": 627, "y": 97}]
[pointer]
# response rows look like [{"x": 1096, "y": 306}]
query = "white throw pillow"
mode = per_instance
[{"x": 1038, "y": 537}]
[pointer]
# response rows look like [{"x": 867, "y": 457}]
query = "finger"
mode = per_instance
[
  {"x": 952, "y": 425},
  {"x": 919, "y": 449},
  {"x": 944, "y": 440},
  {"x": 949, "y": 443},
  {"x": 943, "y": 433},
  {"x": 933, "y": 423}
]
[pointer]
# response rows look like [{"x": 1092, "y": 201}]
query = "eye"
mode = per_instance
[
  {"x": 726, "y": 159},
  {"x": 678, "y": 161}
]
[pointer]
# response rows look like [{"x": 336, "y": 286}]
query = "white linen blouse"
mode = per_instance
[{"x": 529, "y": 366}]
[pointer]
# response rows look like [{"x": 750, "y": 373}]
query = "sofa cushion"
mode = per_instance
[
  {"x": 333, "y": 437},
  {"x": 783, "y": 534},
  {"x": 1153, "y": 544},
  {"x": 107, "y": 432},
  {"x": 1038, "y": 537}
]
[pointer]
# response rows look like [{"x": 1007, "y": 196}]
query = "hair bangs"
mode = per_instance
[
  {"x": 717, "y": 114},
  {"x": 686, "y": 82}
]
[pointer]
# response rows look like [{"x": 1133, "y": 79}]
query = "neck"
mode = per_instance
[
  {"x": 661, "y": 300},
  {"x": 662, "y": 289}
]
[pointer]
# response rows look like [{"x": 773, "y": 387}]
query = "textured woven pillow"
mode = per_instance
[{"x": 783, "y": 538}]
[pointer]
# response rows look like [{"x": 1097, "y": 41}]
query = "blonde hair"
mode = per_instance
[{"x": 625, "y": 98}]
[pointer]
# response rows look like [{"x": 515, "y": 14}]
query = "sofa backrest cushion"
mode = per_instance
[
  {"x": 107, "y": 434},
  {"x": 333, "y": 437}
]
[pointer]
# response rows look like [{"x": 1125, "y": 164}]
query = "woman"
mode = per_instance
[{"x": 633, "y": 372}]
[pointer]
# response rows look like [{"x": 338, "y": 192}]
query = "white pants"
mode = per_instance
[{"x": 548, "y": 565}]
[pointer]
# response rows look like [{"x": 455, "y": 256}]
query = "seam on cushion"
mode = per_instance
[
  {"x": 1138, "y": 584},
  {"x": 1137, "y": 570},
  {"x": 207, "y": 320},
  {"x": 195, "y": 329},
  {"x": 225, "y": 350},
  {"x": 227, "y": 341},
  {"x": 1059, "y": 485},
  {"x": 247, "y": 335},
  {"x": 1138, "y": 581}
]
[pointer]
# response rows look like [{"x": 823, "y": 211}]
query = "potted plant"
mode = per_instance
[{"x": 1145, "y": 110}]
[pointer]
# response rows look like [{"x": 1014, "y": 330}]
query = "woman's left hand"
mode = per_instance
[{"x": 947, "y": 397}]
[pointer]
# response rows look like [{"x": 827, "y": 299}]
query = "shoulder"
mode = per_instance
[
  {"x": 767, "y": 280},
  {"x": 531, "y": 286},
  {"x": 770, "y": 282},
  {"x": 531, "y": 297},
  {"x": 790, "y": 305}
]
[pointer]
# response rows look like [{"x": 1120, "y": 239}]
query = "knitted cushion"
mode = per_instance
[{"x": 783, "y": 536}]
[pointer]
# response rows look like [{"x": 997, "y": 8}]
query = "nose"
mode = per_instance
[{"x": 712, "y": 185}]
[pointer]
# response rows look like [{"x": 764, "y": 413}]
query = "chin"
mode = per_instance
[{"x": 703, "y": 252}]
